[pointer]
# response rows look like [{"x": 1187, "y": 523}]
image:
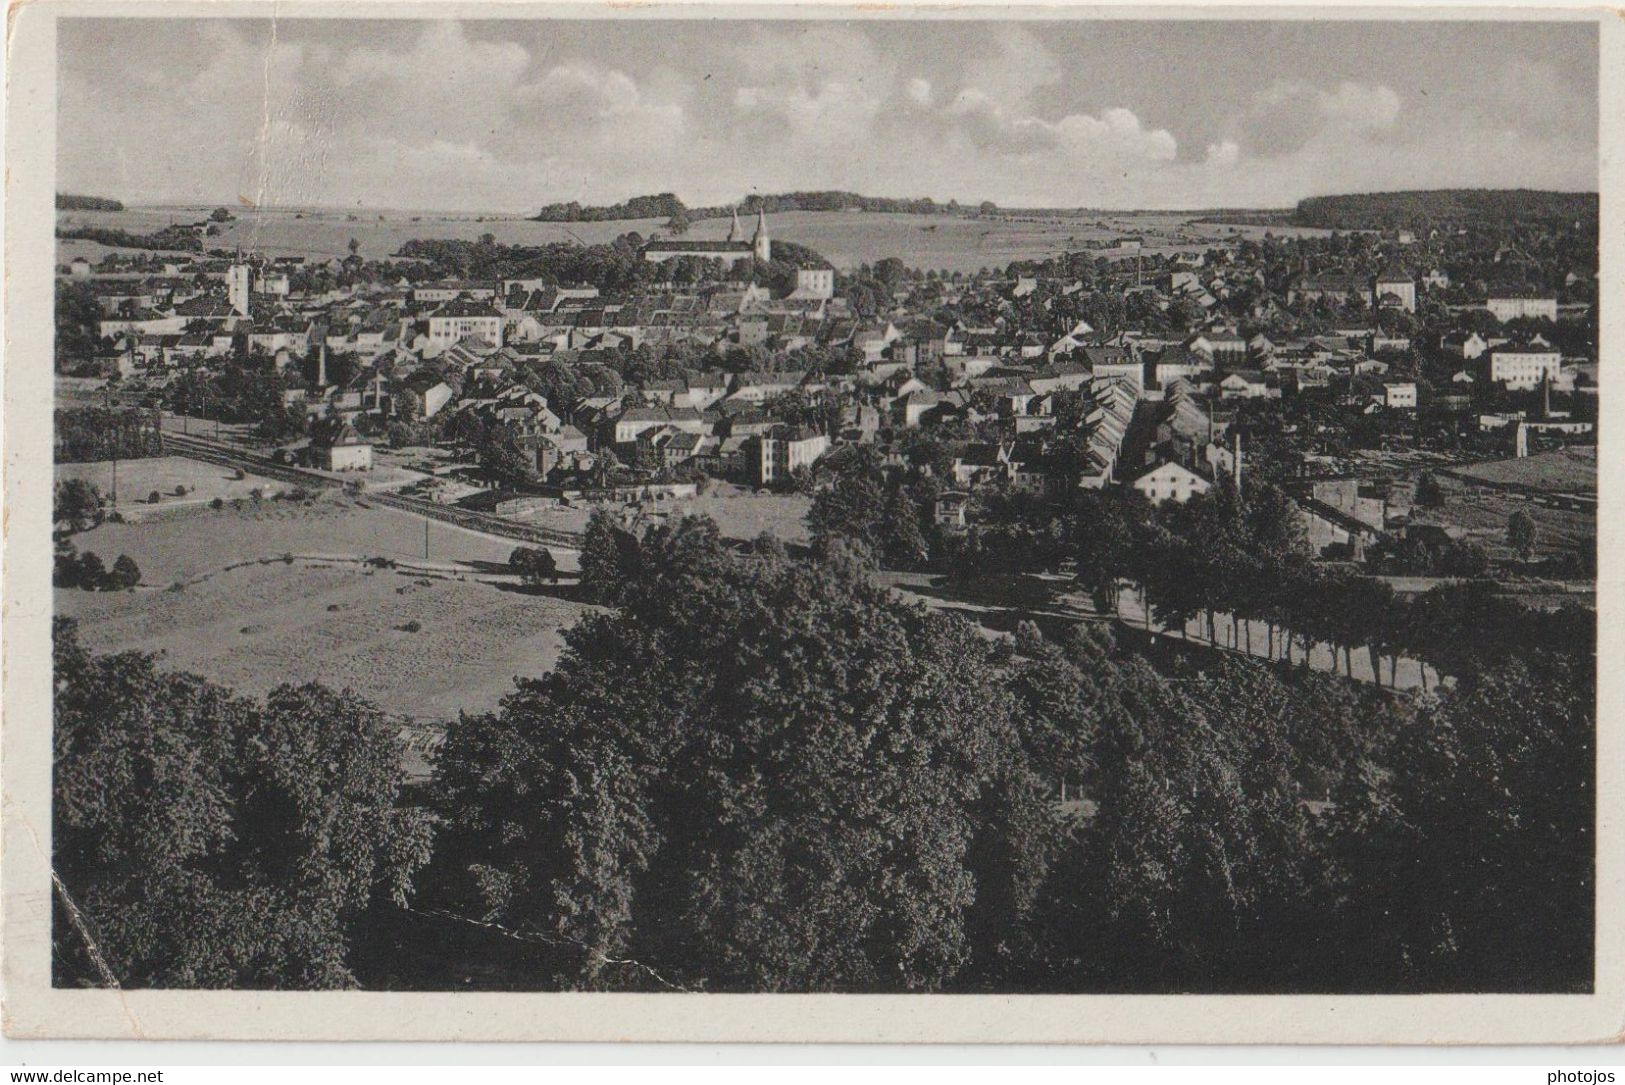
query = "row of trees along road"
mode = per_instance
[
  {"x": 751, "y": 772},
  {"x": 1243, "y": 557},
  {"x": 1247, "y": 558}
]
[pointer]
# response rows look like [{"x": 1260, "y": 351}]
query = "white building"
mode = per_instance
[
  {"x": 1171, "y": 482},
  {"x": 336, "y": 446},
  {"x": 784, "y": 450},
  {"x": 1399, "y": 396},
  {"x": 1507, "y": 307},
  {"x": 1395, "y": 288},
  {"x": 1524, "y": 367},
  {"x": 237, "y": 286},
  {"x": 814, "y": 284},
  {"x": 451, "y": 322}
]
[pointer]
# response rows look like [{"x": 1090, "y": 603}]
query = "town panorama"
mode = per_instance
[{"x": 943, "y": 531}]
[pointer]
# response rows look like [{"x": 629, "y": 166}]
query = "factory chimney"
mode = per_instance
[{"x": 1236, "y": 466}]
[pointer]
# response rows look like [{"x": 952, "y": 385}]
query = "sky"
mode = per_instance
[{"x": 504, "y": 116}]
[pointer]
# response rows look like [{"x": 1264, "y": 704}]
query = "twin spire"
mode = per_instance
[
  {"x": 735, "y": 233},
  {"x": 761, "y": 246}
]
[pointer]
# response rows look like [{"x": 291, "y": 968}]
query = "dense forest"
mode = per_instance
[
  {"x": 756, "y": 772},
  {"x": 65, "y": 202},
  {"x": 1444, "y": 207}
]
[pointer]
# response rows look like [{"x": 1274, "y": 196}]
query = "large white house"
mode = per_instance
[
  {"x": 783, "y": 450},
  {"x": 1505, "y": 307},
  {"x": 455, "y": 320},
  {"x": 1171, "y": 482},
  {"x": 1524, "y": 367}
]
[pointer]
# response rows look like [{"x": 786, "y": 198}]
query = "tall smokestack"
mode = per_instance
[
  {"x": 321, "y": 367},
  {"x": 1236, "y": 466}
]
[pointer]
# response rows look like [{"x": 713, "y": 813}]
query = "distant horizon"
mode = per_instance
[
  {"x": 502, "y": 117},
  {"x": 238, "y": 208}
]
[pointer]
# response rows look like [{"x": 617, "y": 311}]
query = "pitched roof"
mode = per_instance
[
  {"x": 334, "y": 433},
  {"x": 460, "y": 309}
]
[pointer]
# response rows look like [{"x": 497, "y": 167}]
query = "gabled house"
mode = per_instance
[{"x": 1171, "y": 482}]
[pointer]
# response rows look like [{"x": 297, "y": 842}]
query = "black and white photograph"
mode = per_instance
[{"x": 786, "y": 502}]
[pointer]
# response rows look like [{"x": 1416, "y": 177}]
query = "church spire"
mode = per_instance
[{"x": 761, "y": 246}]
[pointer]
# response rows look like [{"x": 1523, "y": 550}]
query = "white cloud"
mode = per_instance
[
  {"x": 444, "y": 114},
  {"x": 1224, "y": 154},
  {"x": 831, "y": 112},
  {"x": 1290, "y": 115},
  {"x": 1017, "y": 66},
  {"x": 1359, "y": 107}
]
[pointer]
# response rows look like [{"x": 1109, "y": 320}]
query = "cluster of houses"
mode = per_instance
[{"x": 1133, "y": 408}]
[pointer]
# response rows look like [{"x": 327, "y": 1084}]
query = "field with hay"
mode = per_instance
[
  {"x": 201, "y": 541},
  {"x": 419, "y": 647},
  {"x": 744, "y": 514},
  {"x": 1562, "y": 470},
  {"x": 1481, "y": 515},
  {"x": 217, "y": 598},
  {"x": 139, "y": 479}
]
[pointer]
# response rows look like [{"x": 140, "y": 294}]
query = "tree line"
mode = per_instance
[
  {"x": 1218, "y": 554},
  {"x": 613, "y": 267},
  {"x": 67, "y": 202},
  {"x": 89, "y": 434},
  {"x": 1448, "y": 207},
  {"x": 752, "y": 772},
  {"x": 176, "y": 238},
  {"x": 667, "y": 205}
]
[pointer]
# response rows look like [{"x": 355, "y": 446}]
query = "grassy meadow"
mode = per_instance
[{"x": 254, "y": 626}]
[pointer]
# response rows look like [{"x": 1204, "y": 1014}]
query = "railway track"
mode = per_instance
[{"x": 483, "y": 522}]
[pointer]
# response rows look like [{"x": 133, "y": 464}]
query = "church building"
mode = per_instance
[{"x": 759, "y": 248}]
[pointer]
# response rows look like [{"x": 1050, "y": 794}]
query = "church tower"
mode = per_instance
[
  {"x": 734, "y": 231},
  {"x": 237, "y": 288},
  {"x": 761, "y": 245}
]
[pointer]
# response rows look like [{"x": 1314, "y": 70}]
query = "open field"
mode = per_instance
[
  {"x": 1563, "y": 470},
  {"x": 205, "y": 541},
  {"x": 740, "y": 513},
  {"x": 259, "y": 626},
  {"x": 847, "y": 239},
  {"x": 745, "y": 514},
  {"x": 322, "y": 234},
  {"x": 1481, "y": 514},
  {"x": 255, "y": 626},
  {"x": 139, "y": 478}
]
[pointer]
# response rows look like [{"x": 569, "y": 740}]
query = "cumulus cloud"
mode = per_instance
[
  {"x": 1012, "y": 66},
  {"x": 833, "y": 111},
  {"x": 1224, "y": 154},
  {"x": 475, "y": 117},
  {"x": 1287, "y": 116}
]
